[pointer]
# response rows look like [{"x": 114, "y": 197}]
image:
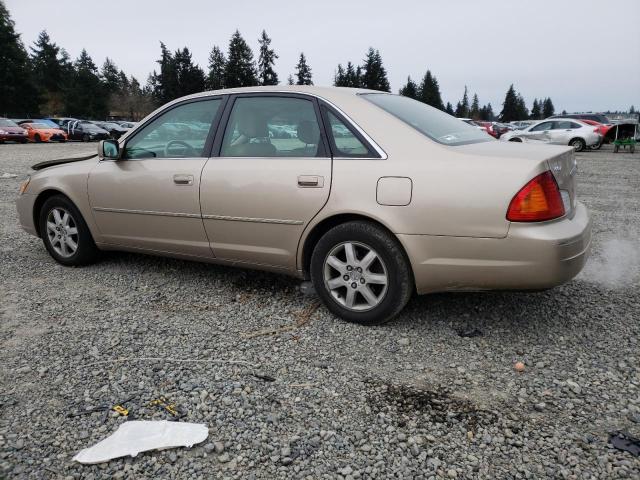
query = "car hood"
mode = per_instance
[{"x": 61, "y": 161}]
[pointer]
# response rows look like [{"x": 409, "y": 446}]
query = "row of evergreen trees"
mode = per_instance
[{"x": 46, "y": 81}]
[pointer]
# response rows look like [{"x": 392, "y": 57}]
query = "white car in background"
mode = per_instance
[{"x": 571, "y": 132}]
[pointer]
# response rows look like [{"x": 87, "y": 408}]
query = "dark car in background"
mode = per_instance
[
  {"x": 84, "y": 131},
  {"x": 595, "y": 117},
  {"x": 12, "y": 132},
  {"x": 114, "y": 129}
]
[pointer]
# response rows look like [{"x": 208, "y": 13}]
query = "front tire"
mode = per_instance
[
  {"x": 361, "y": 273},
  {"x": 65, "y": 233},
  {"x": 86, "y": 138},
  {"x": 37, "y": 139}
]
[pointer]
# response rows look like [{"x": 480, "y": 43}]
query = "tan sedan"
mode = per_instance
[{"x": 370, "y": 195}]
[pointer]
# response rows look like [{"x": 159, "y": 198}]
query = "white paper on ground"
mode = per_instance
[{"x": 137, "y": 436}]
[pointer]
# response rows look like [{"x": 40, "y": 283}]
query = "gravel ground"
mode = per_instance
[{"x": 322, "y": 398}]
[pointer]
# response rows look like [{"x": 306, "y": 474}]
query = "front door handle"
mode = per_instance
[
  {"x": 183, "y": 179},
  {"x": 310, "y": 181}
]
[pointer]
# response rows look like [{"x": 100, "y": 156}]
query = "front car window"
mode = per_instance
[
  {"x": 180, "y": 132},
  {"x": 272, "y": 127},
  {"x": 431, "y": 122}
]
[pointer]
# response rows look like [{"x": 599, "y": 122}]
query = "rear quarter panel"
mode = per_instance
[{"x": 457, "y": 191}]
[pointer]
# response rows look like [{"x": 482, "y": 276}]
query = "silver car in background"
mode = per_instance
[{"x": 571, "y": 132}]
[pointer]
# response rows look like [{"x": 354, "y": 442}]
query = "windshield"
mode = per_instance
[
  {"x": 7, "y": 123},
  {"x": 40, "y": 126},
  {"x": 435, "y": 124}
]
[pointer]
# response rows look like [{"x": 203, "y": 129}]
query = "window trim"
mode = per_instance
[
  {"x": 215, "y": 123},
  {"x": 216, "y": 147},
  {"x": 372, "y": 153}
]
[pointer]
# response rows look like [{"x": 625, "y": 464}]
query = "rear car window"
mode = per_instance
[{"x": 431, "y": 122}]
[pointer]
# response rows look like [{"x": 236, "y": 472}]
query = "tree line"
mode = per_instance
[{"x": 44, "y": 80}]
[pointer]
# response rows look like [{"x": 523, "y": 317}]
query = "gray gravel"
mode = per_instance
[{"x": 411, "y": 399}]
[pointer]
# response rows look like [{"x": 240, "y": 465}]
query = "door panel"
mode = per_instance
[
  {"x": 150, "y": 204},
  {"x": 255, "y": 209}
]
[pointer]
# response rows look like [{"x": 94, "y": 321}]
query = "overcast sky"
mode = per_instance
[{"x": 584, "y": 54}]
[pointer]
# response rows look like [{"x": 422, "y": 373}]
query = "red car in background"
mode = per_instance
[
  {"x": 12, "y": 132},
  {"x": 494, "y": 129},
  {"x": 41, "y": 132},
  {"x": 601, "y": 129}
]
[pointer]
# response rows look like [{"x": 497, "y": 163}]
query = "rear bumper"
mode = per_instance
[{"x": 530, "y": 257}]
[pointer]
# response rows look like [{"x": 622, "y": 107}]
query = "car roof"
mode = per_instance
[{"x": 328, "y": 93}]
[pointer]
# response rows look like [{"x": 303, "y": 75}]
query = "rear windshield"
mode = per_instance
[{"x": 435, "y": 124}]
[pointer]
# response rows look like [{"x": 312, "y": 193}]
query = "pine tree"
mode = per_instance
[
  {"x": 190, "y": 77},
  {"x": 410, "y": 89},
  {"x": 266, "y": 61},
  {"x": 509, "y": 111},
  {"x": 474, "y": 113},
  {"x": 449, "y": 109},
  {"x": 18, "y": 92},
  {"x": 290, "y": 80},
  {"x": 547, "y": 108},
  {"x": 217, "y": 65},
  {"x": 164, "y": 84},
  {"x": 303, "y": 71},
  {"x": 86, "y": 95},
  {"x": 535, "y": 110},
  {"x": 339, "y": 78},
  {"x": 462, "y": 108},
  {"x": 486, "y": 113},
  {"x": 632, "y": 110},
  {"x": 374, "y": 76},
  {"x": 241, "y": 69},
  {"x": 52, "y": 72},
  {"x": 429, "y": 91},
  {"x": 353, "y": 76},
  {"x": 522, "y": 111}
]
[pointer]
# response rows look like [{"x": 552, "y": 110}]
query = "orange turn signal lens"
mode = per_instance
[{"x": 24, "y": 185}]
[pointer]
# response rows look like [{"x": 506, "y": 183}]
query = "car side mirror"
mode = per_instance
[{"x": 109, "y": 149}]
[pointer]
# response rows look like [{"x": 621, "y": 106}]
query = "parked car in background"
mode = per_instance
[
  {"x": 115, "y": 130},
  {"x": 44, "y": 121},
  {"x": 127, "y": 125},
  {"x": 406, "y": 199},
  {"x": 522, "y": 124},
  {"x": 595, "y": 117},
  {"x": 602, "y": 130},
  {"x": 571, "y": 132},
  {"x": 10, "y": 131},
  {"x": 42, "y": 132},
  {"x": 494, "y": 129},
  {"x": 84, "y": 131}
]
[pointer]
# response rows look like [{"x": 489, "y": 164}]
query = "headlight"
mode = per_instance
[{"x": 24, "y": 185}]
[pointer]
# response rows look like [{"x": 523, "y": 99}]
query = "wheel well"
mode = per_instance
[
  {"x": 323, "y": 227},
  {"x": 515, "y": 139},
  {"x": 37, "y": 206}
]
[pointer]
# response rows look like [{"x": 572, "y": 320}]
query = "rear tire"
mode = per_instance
[
  {"x": 37, "y": 139},
  {"x": 65, "y": 234},
  {"x": 361, "y": 273},
  {"x": 596, "y": 147},
  {"x": 578, "y": 144},
  {"x": 86, "y": 138}
]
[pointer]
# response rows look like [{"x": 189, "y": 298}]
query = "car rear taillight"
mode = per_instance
[
  {"x": 537, "y": 201},
  {"x": 597, "y": 129}
]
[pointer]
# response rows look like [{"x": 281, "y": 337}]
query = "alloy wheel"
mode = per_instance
[
  {"x": 62, "y": 232},
  {"x": 355, "y": 275}
]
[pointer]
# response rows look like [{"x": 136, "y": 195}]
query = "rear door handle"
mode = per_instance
[
  {"x": 183, "y": 179},
  {"x": 310, "y": 181}
]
